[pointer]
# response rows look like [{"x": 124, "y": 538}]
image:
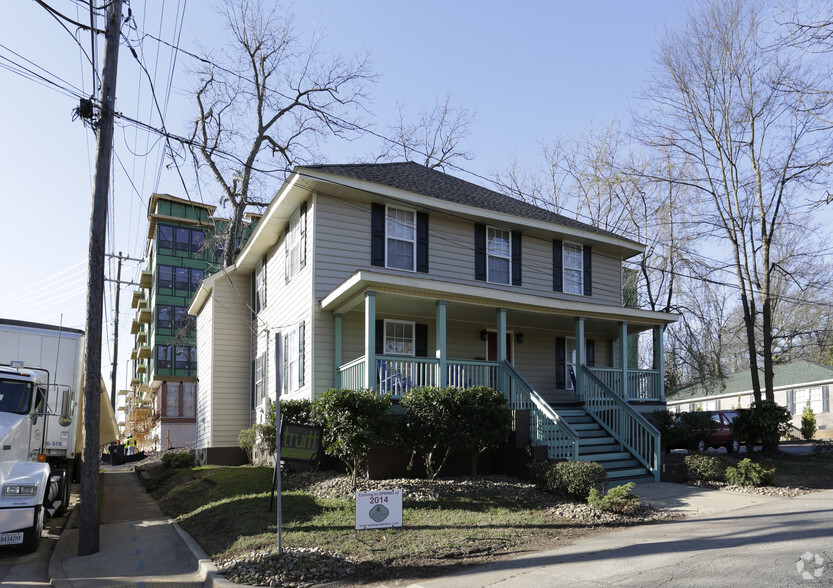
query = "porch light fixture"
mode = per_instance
[
  {"x": 484, "y": 335},
  {"x": 519, "y": 338}
]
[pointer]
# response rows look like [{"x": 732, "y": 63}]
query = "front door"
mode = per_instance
[{"x": 491, "y": 351}]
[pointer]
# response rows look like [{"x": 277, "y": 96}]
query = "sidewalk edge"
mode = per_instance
[{"x": 208, "y": 571}]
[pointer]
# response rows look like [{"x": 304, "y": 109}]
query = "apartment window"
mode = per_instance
[
  {"x": 182, "y": 279},
  {"x": 260, "y": 285},
  {"x": 399, "y": 337},
  {"x": 197, "y": 276},
  {"x": 573, "y": 268},
  {"x": 294, "y": 358},
  {"x": 400, "y": 238},
  {"x": 498, "y": 255},
  {"x": 163, "y": 357},
  {"x": 186, "y": 358},
  {"x": 166, "y": 276},
  {"x": 183, "y": 239},
  {"x": 818, "y": 399},
  {"x": 166, "y": 237},
  {"x": 296, "y": 242},
  {"x": 163, "y": 317},
  {"x": 197, "y": 240}
]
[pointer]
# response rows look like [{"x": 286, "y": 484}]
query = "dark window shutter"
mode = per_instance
[
  {"x": 560, "y": 363},
  {"x": 557, "y": 267},
  {"x": 377, "y": 234},
  {"x": 588, "y": 272},
  {"x": 303, "y": 228},
  {"x": 278, "y": 360},
  {"x": 791, "y": 401},
  {"x": 302, "y": 331},
  {"x": 825, "y": 399},
  {"x": 516, "y": 258},
  {"x": 421, "y": 340},
  {"x": 590, "y": 352},
  {"x": 422, "y": 242},
  {"x": 480, "y": 252},
  {"x": 380, "y": 336}
]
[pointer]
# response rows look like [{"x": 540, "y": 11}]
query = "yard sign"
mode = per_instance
[{"x": 379, "y": 509}]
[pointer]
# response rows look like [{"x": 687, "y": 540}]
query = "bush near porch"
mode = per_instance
[{"x": 425, "y": 433}]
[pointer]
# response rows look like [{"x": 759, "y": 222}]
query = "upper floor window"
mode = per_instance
[
  {"x": 183, "y": 239},
  {"x": 260, "y": 285},
  {"x": 294, "y": 358},
  {"x": 181, "y": 279},
  {"x": 166, "y": 237},
  {"x": 296, "y": 242},
  {"x": 399, "y": 238},
  {"x": 571, "y": 268},
  {"x": 497, "y": 255}
]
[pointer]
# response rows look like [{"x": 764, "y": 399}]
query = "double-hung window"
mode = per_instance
[
  {"x": 400, "y": 238},
  {"x": 260, "y": 371},
  {"x": 295, "y": 242},
  {"x": 294, "y": 358},
  {"x": 399, "y": 338},
  {"x": 573, "y": 268},
  {"x": 260, "y": 285},
  {"x": 498, "y": 255}
]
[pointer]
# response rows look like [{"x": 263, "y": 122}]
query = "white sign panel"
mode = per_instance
[{"x": 378, "y": 509}]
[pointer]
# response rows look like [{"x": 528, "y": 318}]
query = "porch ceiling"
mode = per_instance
[{"x": 414, "y": 296}]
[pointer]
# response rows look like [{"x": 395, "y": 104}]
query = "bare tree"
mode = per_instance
[
  {"x": 718, "y": 101},
  {"x": 434, "y": 139},
  {"x": 269, "y": 95}
]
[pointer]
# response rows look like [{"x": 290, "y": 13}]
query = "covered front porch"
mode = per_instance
[{"x": 542, "y": 353}]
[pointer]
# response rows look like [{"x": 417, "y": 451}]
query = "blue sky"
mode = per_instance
[{"x": 527, "y": 70}]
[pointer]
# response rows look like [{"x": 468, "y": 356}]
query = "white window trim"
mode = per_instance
[
  {"x": 290, "y": 376},
  {"x": 507, "y": 257},
  {"x": 564, "y": 267},
  {"x": 294, "y": 245},
  {"x": 412, "y": 241},
  {"x": 260, "y": 284},
  {"x": 385, "y": 337}
]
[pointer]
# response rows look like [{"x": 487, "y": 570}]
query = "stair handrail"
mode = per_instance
[
  {"x": 631, "y": 429},
  {"x": 546, "y": 427}
]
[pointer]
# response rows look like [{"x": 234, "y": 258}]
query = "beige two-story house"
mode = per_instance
[{"x": 390, "y": 276}]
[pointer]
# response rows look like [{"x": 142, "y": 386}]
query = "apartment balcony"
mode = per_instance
[
  {"x": 146, "y": 279},
  {"x": 141, "y": 336},
  {"x": 135, "y": 327},
  {"x": 142, "y": 368},
  {"x": 134, "y": 354},
  {"x": 144, "y": 315},
  {"x": 134, "y": 300}
]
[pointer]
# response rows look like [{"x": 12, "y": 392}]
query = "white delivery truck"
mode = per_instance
[{"x": 41, "y": 383}]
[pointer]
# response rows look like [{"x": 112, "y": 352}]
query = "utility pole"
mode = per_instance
[
  {"x": 115, "y": 365},
  {"x": 88, "y": 537}
]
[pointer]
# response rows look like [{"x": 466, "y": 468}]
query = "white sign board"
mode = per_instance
[{"x": 379, "y": 509}]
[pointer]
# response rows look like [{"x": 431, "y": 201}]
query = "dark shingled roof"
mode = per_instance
[{"x": 419, "y": 179}]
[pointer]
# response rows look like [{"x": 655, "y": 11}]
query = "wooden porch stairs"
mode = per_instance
[{"x": 596, "y": 444}]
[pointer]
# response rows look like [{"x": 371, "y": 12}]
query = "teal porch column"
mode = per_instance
[
  {"x": 580, "y": 355},
  {"x": 337, "y": 351},
  {"x": 442, "y": 351},
  {"x": 501, "y": 350},
  {"x": 623, "y": 357},
  {"x": 370, "y": 339},
  {"x": 659, "y": 361}
]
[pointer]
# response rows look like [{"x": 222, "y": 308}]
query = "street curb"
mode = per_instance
[
  {"x": 56, "y": 570},
  {"x": 208, "y": 571}
]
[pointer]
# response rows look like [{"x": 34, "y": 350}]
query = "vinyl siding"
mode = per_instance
[
  {"x": 228, "y": 412},
  {"x": 342, "y": 246}
]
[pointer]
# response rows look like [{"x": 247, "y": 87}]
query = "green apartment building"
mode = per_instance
[{"x": 184, "y": 245}]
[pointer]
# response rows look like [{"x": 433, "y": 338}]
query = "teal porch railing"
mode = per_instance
[
  {"x": 642, "y": 384},
  {"x": 620, "y": 419},
  {"x": 396, "y": 375}
]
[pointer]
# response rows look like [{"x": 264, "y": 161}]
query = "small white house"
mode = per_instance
[{"x": 796, "y": 384}]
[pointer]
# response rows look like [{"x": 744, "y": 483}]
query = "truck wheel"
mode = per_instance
[
  {"x": 64, "y": 491},
  {"x": 32, "y": 535}
]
